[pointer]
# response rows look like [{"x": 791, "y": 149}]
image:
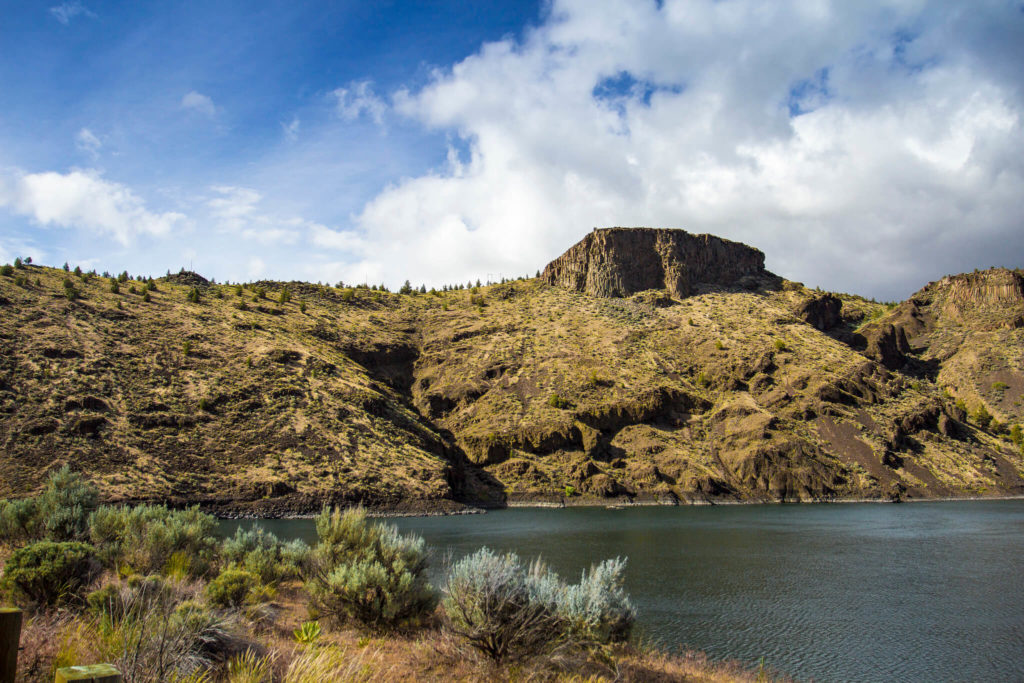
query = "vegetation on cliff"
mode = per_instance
[{"x": 246, "y": 400}]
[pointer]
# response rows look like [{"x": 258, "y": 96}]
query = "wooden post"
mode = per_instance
[
  {"x": 96, "y": 673},
  {"x": 10, "y": 635}
]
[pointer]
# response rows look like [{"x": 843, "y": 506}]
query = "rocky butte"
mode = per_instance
[{"x": 617, "y": 262}]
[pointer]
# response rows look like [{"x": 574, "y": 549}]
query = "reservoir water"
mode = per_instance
[{"x": 854, "y": 592}]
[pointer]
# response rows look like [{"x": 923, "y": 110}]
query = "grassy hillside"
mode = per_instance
[{"x": 518, "y": 392}]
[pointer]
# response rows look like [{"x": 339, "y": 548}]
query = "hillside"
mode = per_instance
[{"x": 722, "y": 382}]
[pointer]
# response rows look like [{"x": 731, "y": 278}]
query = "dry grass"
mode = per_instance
[
  {"x": 61, "y": 638},
  {"x": 379, "y": 397}
]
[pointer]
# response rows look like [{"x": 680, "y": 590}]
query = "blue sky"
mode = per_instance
[{"x": 865, "y": 147}]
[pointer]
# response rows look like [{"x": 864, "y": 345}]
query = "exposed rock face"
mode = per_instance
[
  {"x": 823, "y": 312},
  {"x": 994, "y": 287},
  {"x": 615, "y": 262}
]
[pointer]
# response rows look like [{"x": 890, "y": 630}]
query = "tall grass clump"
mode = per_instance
[
  {"x": 368, "y": 572},
  {"x": 509, "y": 611},
  {"x": 153, "y": 629},
  {"x": 148, "y": 539},
  {"x": 261, "y": 553},
  {"x": 60, "y": 513}
]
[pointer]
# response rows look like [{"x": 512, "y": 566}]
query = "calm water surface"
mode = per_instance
[{"x": 858, "y": 592}]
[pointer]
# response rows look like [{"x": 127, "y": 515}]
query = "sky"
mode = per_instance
[{"x": 865, "y": 147}]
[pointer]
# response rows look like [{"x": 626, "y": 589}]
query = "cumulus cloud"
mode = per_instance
[
  {"x": 359, "y": 99},
  {"x": 199, "y": 102},
  {"x": 87, "y": 142},
  {"x": 67, "y": 11},
  {"x": 236, "y": 210},
  {"x": 862, "y": 146},
  {"x": 82, "y": 199}
]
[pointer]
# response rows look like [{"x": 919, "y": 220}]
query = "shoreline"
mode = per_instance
[{"x": 611, "y": 504}]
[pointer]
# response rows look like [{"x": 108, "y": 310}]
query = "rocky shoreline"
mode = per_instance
[{"x": 255, "y": 509}]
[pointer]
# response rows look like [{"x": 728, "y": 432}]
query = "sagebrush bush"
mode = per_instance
[
  {"x": 367, "y": 572},
  {"x": 488, "y": 602},
  {"x": 49, "y": 573},
  {"x": 144, "y": 538},
  {"x": 262, "y": 553},
  {"x": 597, "y": 608},
  {"x": 231, "y": 587},
  {"x": 508, "y": 611},
  {"x": 60, "y": 513}
]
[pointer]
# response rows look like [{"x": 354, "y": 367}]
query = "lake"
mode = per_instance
[{"x": 846, "y": 592}]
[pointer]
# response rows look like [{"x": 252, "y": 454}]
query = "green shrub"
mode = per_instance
[
  {"x": 60, "y": 513},
  {"x": 556, "y": 401},
  {"x": 508, "y": 611},
  {"x": 1016, "y": 435},
  {"x": 18, "y": 263},
  {"x": 193, "y": 295},
  {"x": 49, "y": 573},
  {"x": 284, "y": 297},
  {"x": 982, "y": 417},
  {"x": 7, "y": 270},
  {"x": 231, "y": 587},
  {"x": 368, "y": 572},
  {"x": 115, "y": 288},
  {"x": 146, "y": 297},
  {"x": 261, "y": 553},
  {"x": 151, "y": 286},
  {"x": 144, "y": 538},
  {"x": 780, "y": 345},
  {"x": 308, "y": 633}
]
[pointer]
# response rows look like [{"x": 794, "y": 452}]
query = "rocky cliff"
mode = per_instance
[
  {"x": 616, "y": 262},
  {"x": 966, "y": 333},
  {"x": 520, "y": 391}
]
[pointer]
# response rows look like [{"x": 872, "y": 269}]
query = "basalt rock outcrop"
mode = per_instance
[
  {"x": 966, "y": 333},
  {"x": 617, "y": 262},
  {"x": 823, "y": 312}
]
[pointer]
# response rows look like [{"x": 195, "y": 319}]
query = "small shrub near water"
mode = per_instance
[
  {"x": 506, "y": 610},
  {"x": 368, "y": 572},
  {"x": 260, "y": 552},
  {"x": 60, "y": 513},
  {"x": 49, "y": 573},
  {"x": 146, "y": 537},
  {"x": 231, "y": 588}
]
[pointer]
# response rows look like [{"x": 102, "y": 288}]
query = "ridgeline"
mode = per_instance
[{"x": 642, "y": 366}]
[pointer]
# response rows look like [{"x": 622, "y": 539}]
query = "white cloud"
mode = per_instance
[
  {"x": 67, "y": 11},
  {"x": 82, "y": 199},
  {"x": 291, "y": 129},
  {"x": 236, "y": 210},
  {"x": 87, "y": 142},
  {"x": 199, "y": 102},
  {"x": 905, "y": 160},
  {"x": 359, "y": 99}
]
